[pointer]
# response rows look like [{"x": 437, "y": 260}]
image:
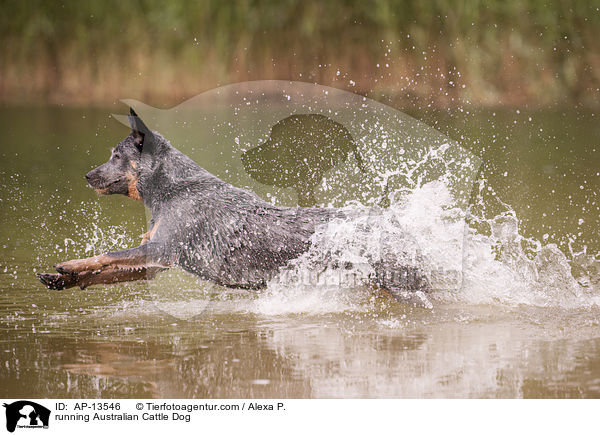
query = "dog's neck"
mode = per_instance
[{"x": 168, "y": 175}]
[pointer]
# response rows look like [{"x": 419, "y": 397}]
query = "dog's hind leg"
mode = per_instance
[
  {"x": 58, "y": 281},
  {"x": 138, "y": 257},
  {"x": 415, "y": 298},
  {"x": 406, "y": 284}
]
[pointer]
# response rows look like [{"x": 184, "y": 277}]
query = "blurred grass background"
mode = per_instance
[{"x": 441, "y": 53}]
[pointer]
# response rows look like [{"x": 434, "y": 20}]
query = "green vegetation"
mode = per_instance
[{"x": 508, "y": 52}]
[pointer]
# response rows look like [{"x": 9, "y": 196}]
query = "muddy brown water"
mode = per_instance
[{"x": 177, "y": 337}]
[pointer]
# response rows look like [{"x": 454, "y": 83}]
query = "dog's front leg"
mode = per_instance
[
  {"x": 141, "y": 256},
  {"x": 133, "y": 264},
  {"x": 58, "y": 281}
]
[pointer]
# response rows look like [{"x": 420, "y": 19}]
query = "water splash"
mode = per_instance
[
  {"x": 463, "y": 264},
  {"x": 85, "y": 230}
]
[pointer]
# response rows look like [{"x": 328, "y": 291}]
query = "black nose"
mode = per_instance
[{"x": 87, "y": 176}]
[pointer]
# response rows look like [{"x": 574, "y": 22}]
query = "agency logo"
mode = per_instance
[{"x": 26, "y": 414}]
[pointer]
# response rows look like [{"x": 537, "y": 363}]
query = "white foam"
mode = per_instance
[{"x": 463, "y": 264}]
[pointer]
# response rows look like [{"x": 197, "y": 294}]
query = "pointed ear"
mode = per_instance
[{"x": 140, "y": 132}]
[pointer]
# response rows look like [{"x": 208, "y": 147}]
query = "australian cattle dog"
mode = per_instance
[{"x": 219, "y": 232}]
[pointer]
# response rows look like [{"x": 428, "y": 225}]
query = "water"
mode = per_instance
[{"x": 525, "y": 323}]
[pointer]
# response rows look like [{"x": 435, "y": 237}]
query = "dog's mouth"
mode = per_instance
[{"x": 104, "y": 188}]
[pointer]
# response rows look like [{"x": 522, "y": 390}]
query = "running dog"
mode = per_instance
[{"x": 219, "y": 232}]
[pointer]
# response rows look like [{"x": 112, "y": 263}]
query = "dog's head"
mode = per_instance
[{"x": 120, "y": 173}]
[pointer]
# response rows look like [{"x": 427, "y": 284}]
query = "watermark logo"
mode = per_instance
[{"x": 25, "y": 414}]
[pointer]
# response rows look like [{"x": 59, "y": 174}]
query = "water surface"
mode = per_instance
[{"x": 148, "y": 340}]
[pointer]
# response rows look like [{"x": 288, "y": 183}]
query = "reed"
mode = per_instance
[{"x": 512, "y": 52}]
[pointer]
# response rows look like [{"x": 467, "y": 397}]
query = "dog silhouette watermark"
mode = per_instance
[{"x": 26, "y": 414}]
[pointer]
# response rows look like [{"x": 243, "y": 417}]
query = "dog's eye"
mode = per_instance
[{"x": 117, "y": 156}]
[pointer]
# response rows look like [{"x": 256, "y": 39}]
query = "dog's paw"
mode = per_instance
[{"x": 55, "y": 281}]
